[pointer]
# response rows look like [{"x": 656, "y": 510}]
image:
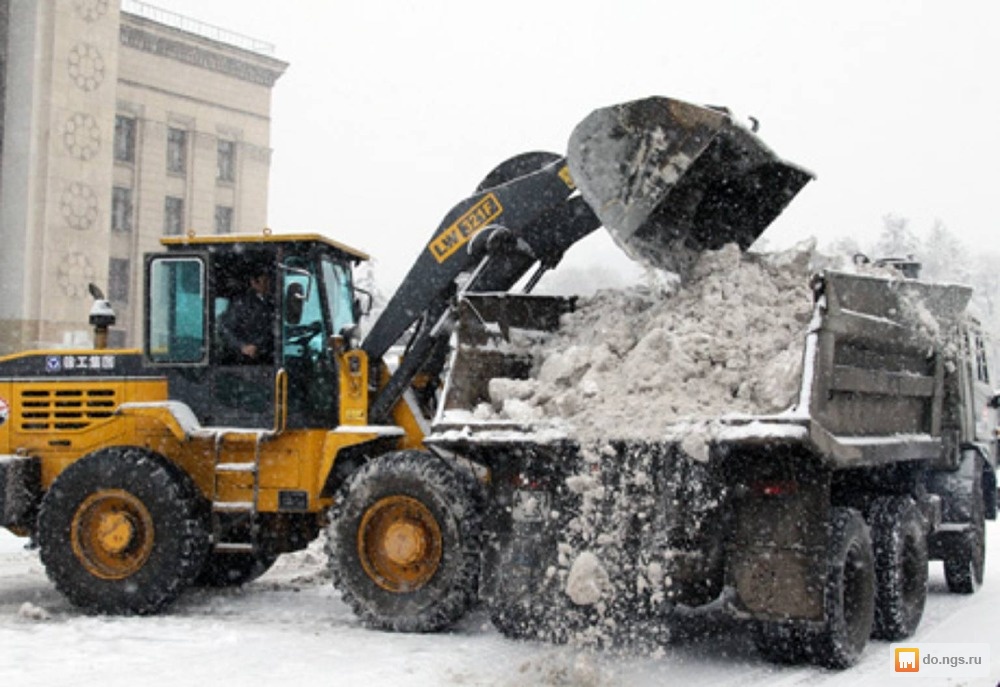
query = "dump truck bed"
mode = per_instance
[{"x": 872, "y": 385}]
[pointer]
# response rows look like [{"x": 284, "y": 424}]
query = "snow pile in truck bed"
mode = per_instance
[{"x": 630, "y": 363}]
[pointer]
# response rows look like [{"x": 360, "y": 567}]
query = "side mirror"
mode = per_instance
[
  {"x": 994, "y": 401},
  {"x": 363, "y": 303}
]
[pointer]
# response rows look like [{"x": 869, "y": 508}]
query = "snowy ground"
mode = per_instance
[{"x": 290, "y": 627}]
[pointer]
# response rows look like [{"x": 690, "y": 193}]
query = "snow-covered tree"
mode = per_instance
[
  {"x": 897, "y": 240},
  {"x": 845, "y": 247},
  {"x": 944, "y": 257}
]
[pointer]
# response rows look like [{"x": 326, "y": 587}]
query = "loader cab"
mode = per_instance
[{"x": 241, "y": 326}]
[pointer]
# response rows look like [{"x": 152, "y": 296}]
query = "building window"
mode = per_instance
[
  {"x": 124, "y": 138},
  {"x": 223, "y": 219},
  {"x": 118, "y": 279},
  {"x": 176, "y": 151},
  {"x": 227, "y": 161},
  {"x": 173, "y": 216},
  {"x": 121, "y": 209}
]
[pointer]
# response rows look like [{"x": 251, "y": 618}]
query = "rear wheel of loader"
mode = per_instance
[
  {"x": 122, "y": 531},
  {"x": 899, "y": 539},
  {"x": 965, "y": 563},
  {"x": 405, "y": 542}
]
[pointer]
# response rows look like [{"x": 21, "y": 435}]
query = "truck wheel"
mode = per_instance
[
  {"x": 234, "y": 569},
  {"x": 553, "y": 621},
  {"x": 965, "y": 564},
  {"x": 899, "y": 540},
  {"x": 404, "y": 543},
  {"x": 850, "y": 592},
  {"x": 122, "y": 531},
  {"x": 781, "y": 643},
  {"x": 849, "y": 603}
]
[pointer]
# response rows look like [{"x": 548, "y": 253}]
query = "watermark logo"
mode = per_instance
[
  {"x": 907, "y": 659},
  {"x": 951, "y": 660}
]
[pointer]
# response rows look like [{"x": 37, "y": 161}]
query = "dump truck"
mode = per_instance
[
  {"x": 197, "y": 458},
  {"x": 812, "y": 526}
]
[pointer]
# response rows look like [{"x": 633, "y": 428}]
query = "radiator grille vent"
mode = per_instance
[{"x": 46, "y": 410}]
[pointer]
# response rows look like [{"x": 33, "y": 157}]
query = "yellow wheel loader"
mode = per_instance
[{"x": 254, "y": 413}]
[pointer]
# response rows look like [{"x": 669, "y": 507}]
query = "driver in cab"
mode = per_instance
[{"x": 247, "y": 326}]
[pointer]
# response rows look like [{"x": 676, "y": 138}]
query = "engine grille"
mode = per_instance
[{"x": 61, "y": 409}]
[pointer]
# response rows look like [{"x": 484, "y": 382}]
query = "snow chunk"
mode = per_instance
[
  {"x": 588, "y": 580},
  {"x": 631, "y": 363},
  {"x": 30, "y": 611}
]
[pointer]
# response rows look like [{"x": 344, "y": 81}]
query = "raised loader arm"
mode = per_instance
[{"x": 495, "y": 236}]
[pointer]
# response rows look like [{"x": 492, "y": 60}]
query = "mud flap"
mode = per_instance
[{"x": 669, "y": 179}]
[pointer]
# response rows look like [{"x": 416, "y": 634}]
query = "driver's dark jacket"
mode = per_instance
[{"x": 249, "y": 320}]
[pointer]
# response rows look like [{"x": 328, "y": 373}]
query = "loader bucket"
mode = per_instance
[{"x": 669, "y": 179}]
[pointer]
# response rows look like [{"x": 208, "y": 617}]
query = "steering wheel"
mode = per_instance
[{"x": 302, "y": 334}]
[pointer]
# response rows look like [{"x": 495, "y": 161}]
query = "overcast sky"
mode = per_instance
[{"x": 392, "y": 111}]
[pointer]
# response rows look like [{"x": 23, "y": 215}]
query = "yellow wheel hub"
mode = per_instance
[
  {"x": 399, "y": 544},
  {"x": 112, "y": 534}
]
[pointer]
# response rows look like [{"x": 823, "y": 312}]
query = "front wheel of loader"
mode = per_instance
[
  {"x": 404, "y": 543},
  {"x": 122, "y": 531}
]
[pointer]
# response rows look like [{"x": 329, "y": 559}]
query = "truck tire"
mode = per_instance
[
  {"x": 899, "y": 539},
  {"x": 234, "y": 569},
  {"x": 122, "y": 531},
  {"x": 849, "y": 603},
  {"x": 965, "y": 564},
  {"x": 545, "y": 617},
  {"x": 404, "y": 542},
  {"x": 850, "y": 592},
  {"x": 782, "y": 643}
]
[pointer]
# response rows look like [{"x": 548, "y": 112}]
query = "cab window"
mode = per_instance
[
  {"x": 176, "y": 307},
  {"x": 339, "y": 294},
  {"x": 304, "y": 328}
]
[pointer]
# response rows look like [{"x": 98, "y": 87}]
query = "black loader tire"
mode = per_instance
[
  {"x": 123, "y": 531},
  {"x": 965, "y": 565},
  {"x": 899, "y": 539},
  {"x": 234, "y": 569},
  {"x": 405, "y": 542}
]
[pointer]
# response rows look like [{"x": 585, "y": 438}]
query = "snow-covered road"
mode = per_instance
[{"x": 291, "y": 628}]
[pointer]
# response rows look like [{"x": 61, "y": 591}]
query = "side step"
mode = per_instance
[{"x": 244, "y": 509}]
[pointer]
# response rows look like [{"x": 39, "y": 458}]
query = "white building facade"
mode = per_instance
[{"x": 121, "y": 124}]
